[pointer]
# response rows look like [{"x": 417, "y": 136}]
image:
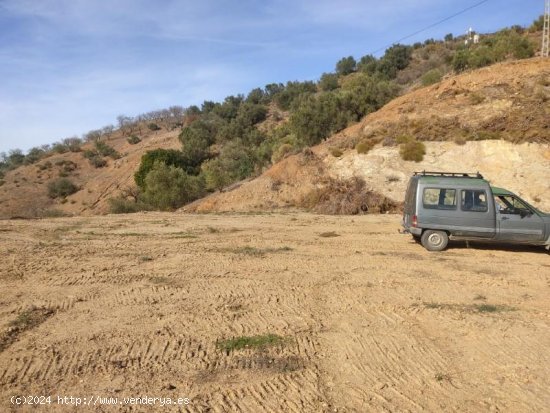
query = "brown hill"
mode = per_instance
[
  {"x": 508, "y": 103},
  {"x": 495, "y": 120},
  {"x": 25, "y": 191}
]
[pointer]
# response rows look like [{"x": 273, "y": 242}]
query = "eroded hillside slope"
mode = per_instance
[
  {"x": 494, "y": 120},
  {"x": 25, "y": 193}
]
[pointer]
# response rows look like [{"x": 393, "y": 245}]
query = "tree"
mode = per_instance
[
  {"x": 368, "y": 64},
  {"x": 460, "y": 60},
  {"x": 346, "y": 65},
  {"x": 537, "y": 25},
  {"x": 395, "y": 59},
  {"x": 328, "y": 82},
  {"x": 256, "y": 96},
  {"x": 449, "y": 37},
  {"x": 235, "y": 162},
  {"x": 169, "y": 187},
  {"x": 170, "y": 157}
]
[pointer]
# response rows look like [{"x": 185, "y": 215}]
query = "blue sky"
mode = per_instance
[{"x": 69, "y": 66}]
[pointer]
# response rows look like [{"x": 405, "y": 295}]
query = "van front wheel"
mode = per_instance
[{"x": 434, "y": 240}]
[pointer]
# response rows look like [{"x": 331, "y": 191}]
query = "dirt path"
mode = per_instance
[{"x": 364, "y": 318}]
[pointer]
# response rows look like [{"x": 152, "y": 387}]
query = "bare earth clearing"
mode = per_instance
[{"x": 132, "y": 306}]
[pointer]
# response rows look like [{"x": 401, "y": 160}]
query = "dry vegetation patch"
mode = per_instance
[{"x": 25, "y": 321}]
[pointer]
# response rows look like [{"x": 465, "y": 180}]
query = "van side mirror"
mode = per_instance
[{"x": 525, "y": 213}]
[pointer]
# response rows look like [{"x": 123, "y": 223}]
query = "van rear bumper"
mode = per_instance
[{"x": 412, "y": 230}]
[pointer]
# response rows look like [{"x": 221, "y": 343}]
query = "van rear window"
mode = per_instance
[
  {"x": 474, "y": 200},
  {"x": 439, "y": 198}
]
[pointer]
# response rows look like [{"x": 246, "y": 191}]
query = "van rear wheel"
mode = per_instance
[{"x": 434, "y": 240}]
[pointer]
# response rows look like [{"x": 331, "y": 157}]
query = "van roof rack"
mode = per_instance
[{"x": 476, "y": 175}]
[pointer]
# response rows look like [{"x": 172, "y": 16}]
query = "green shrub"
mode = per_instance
[
  {"x": 364, "y": 146},
  {"x": 170, "y": 157},
  {"x": 235, "y": 162},
  {"x": 122, "y": 205},
  {"x": 537, "y": 25},
  {"x": 97, "y": 161},
  {"x": 105, "y": 150},
  {"x": 133, "y": 140},
  {"x": 368, "y": 64},
  {"x": 412, "y": 151},
  {"x": 281, "y": 152},
  {"x": 431, "y": 77},
  {"x": 61, "y": 188},
  {"x": 395, "y": 58},
  {"x": 59, "y": 148},
  {"x": 285, "y": 97},
  {"x": 169, "y": 187},
  {"x": 34, "y": 155},
  {"x": 476, "y": 98},
  {"x": 328, "y": 82},
  {"x": 153, "y": 127},
  {"x": 346, "y": 65},
  {"x": 336, "y": 152}
]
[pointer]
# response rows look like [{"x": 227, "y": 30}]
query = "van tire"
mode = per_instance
[{"x": 434, "y": 240}]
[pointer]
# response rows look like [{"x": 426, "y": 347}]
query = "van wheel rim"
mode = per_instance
[{"x": 435, "y": 240}]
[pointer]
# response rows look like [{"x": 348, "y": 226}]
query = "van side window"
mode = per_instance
[
  {"x": 439, "y": 198},
  {"x": 511, "y": 205},
  {"x": 474, "y": 200}
]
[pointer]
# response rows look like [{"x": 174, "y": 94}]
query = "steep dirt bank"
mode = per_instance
[{"x": 523, "y": 169}]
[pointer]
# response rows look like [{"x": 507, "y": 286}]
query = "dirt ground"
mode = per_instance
[{"x": 362, "y": 318}]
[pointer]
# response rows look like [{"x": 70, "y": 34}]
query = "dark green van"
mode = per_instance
[{"x": 463, "y": 206}]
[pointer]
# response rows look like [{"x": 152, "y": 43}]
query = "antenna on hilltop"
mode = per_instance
[{"x": 546, "y": 30}]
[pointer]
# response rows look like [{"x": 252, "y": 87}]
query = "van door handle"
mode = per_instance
[{"x": 505, "y": 218}]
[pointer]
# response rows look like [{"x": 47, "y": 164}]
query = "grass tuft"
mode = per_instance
[
  {"x": 330, "y": 234},
  {"x": 250, "y": 342}
]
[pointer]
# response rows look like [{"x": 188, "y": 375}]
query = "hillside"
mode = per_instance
[
  {"x": 469, "y": 122},
  {"x": 488, "y": 111},
  {"x": 25, "y": 193}
]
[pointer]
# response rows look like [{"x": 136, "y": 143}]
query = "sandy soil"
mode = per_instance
[{"x": 133, "y": 306}]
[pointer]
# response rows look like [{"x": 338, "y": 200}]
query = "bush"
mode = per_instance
[
  {"x": 97, "y": 161},
  {"x": 169, "y": 187},
  {"x": 368, "y": 64},
  {"x": 73, "y": 144},
  {"x": 336, "y": 152},
  {"x": 34, "y": 155},
  {"x": 318, "y": 117},
  {"x": 61, "y": 188},
  {"x": 537, "y": 25},
  {"x": 281, "y": 152},
  {"x": 328, "y": 82},
  {"x": 364, "y": 146},
  {"x": 170, "y": 157},
  {"x": 235, "y": 162},
  {"x": 122, "y": 205},
  {"x": 395, "y": 58},
  {"x": 286, "y": 97},
  {"x": 59, "y": 148},
  {"x": 431, "y": 77},
  {"x": 346, "y": 65},
  {"x": 133, "y": 140},
  {"x": 153, "y": 127},
  {"x": 412, "y": 151},
  {"x": 105, "y": 150}
]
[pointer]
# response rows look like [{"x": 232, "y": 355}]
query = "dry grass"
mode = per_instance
[
  {"x": 349, "y": 197},
  {"x": 25, "y": 321}
]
